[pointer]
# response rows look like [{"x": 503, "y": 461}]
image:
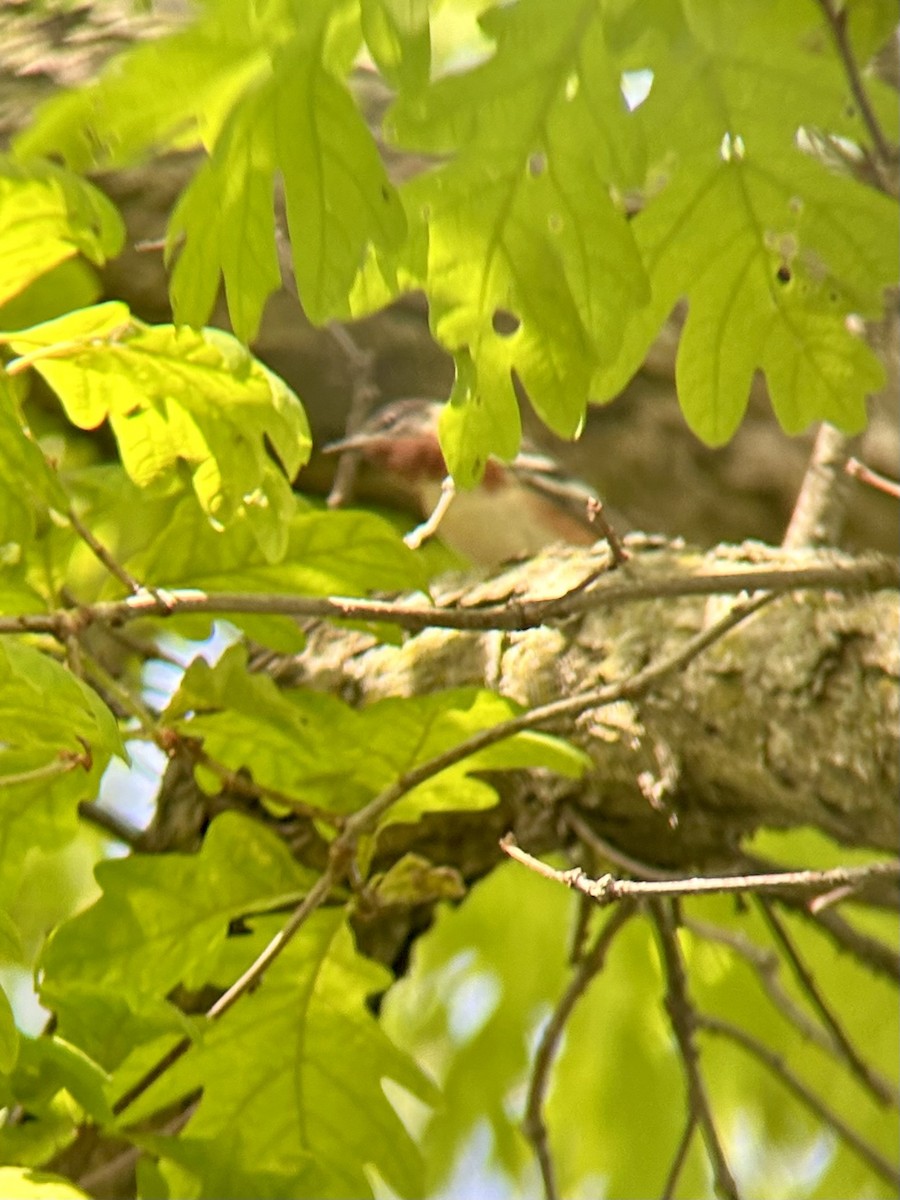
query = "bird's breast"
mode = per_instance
[{"x": 507, "y": 520}]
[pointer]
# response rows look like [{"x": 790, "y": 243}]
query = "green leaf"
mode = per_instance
[
  {"x": 9, "y": 1035},
  {"x": 338, "y": 198},
  {"x": 47, "y": 215},
  {"x": 21, "y": 1183},
  {"x": 208, "y": 1169},
  {"x": 323, "y": 553},
  {"x": 397, "y": 36},
  {"x": 162, "y": 920},
  {"x": 776, "y": 256},
  {"x": 48, "y": 1064},
  {"x": 313, "y": 746},
  {"x": 106, "y": 1027},
  {"x": 57, "y": 1085},
  {"x": 45, "y": 708},
  {"x": 347, "y": 553},
  {"x": 172, "y": 544},
  {"x": 400, "y": 734},
  {"x": 299, "y": 742},
  {"x": 140, "y": 101},
  {"x": 301, "y": 122},
  {"x": 298, "y": 1067},
  {"x": 792, "y": 255},
  {"x": 40, "y": 813},
  {"x": 178, "y": 401},
  {"x": 520, "y": 221},
  {"x": 27, "y": 485},
  {"x": 226, "y": 217},
  {"x": 11, "y": 947},
  {"x": 72, "y": 284}
]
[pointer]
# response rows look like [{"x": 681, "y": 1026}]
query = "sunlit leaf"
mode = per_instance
[
  {"x": 47, "y": 215},
  {"x": 160, "y": 920},
  {"x": 313, "y": 746},
  {"x": 180, "y": 403},
  {"x": 312, "y": 1060}
]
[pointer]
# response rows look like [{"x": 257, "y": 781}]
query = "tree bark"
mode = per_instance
[{"x": 789, "y": 721}]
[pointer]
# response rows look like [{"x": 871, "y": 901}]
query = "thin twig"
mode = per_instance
[
  {"x": 366, "y": 819},
  {"x": 143, "y": 648},
  {"x": 588, "y": 967},
  {"x": 365, "y": 394},
  {"x": 245, "y": 786},
  {"x": 279, "y": 943},
  {"x": 109, "y": 823},
  {"x": 766, "y": 964},
  {"x": 826, "y": 1115},
  {"x": 821, "y": 505},
  {"x": 868, "y": 573},
  {"x": 64, "y": 762},
  {"x": 605, "y": 850},
  {"x": 548, "y": 714},
  {"x": 109, "y": 1178},
  {"x": 684, "y": 1019},
  {"x": 607, "y": 889},
  {"x": 859, "y": 470},
  {"x": 871, "y": 951},
  {"x": 146, "y": 718},
  {"x": 429, "y": 527},
  {"x": 103, "y": 555},
  {"x": 681, "y": 1152},
  {"x": 836, "y": 19},
  {"x": 879, "y": 1088}
]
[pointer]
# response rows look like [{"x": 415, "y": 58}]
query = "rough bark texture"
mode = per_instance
[{"x": 790, "y": 720}]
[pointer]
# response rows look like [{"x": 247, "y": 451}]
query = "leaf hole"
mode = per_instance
[
  {"x": 537, "y": 164},
  {"x": 504, "y": 323},
  {"x": 635, "y": 87},
  {"x": 783, "y": 274}
]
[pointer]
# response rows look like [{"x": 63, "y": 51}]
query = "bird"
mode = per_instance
[{"x": 518, "y": 509}]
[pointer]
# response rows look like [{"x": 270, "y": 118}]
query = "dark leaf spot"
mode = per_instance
[{"x": 505, "y": 323}]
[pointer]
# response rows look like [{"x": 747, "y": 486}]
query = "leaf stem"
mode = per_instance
[{"x": 836, "y": 20}]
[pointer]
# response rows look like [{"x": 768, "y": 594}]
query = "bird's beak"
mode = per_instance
[{"x": 353, "y": 441}]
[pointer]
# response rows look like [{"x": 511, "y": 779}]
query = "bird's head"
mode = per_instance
[{"x": 401, "y": 438}]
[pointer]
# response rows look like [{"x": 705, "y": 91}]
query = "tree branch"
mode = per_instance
[
  {"x": 588, "y": 967},
  {"x": 343, "y": 847},
  {"x": 836, "y": 20},
  {"x": 684, "y": 1019},
  {"x": 607, "y": 889},
  {"x": 680, "y": 1158},
  {"x": 868, "y": 573},
  {"x": 775, "y": 1064},
  {"x": 883, "y": 1092},
  {"x": 821, "y": 505}
]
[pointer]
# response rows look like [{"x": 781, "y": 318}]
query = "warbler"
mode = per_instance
[{"x": 518, "y": 508}]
